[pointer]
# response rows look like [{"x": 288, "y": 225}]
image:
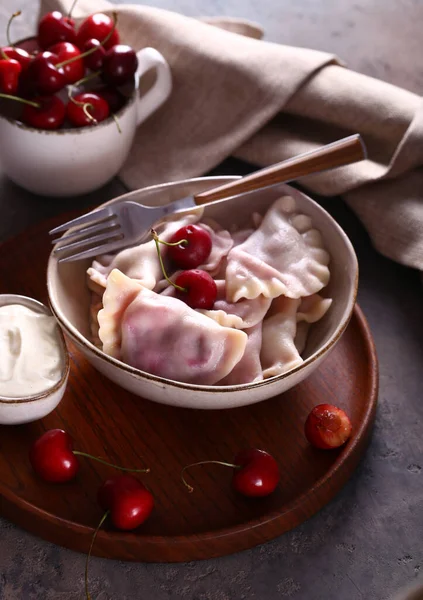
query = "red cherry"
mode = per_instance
[
  {"x": 10, "y": 70},
  {"x": 256, "y": 472},
  {"x": 97, "y": 26},
  {"x": 127, "y": 499},
  {"x": 114, "y": 99},
  {"x": 327, "y": 426},
  {"x": 50, "y": 114},
  {"x": 94, "y": 61},
  {"x": 63, "y": 51},
  {"x": 44, "y": 76},
  {"x": 200, "y": 289},
  {"x": 258, "y": 475},
  {"x": 54, "y": 28},
  {"x": 193, "y": 253},
  {"x": 119, "y": 65},
  {"x": 52, "y": 458},
  {"x": 22, "y": 56},
  {"x": 96, "y": 106}
]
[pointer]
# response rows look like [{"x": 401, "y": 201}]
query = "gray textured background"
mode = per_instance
[{"x": 367, "y": 543}]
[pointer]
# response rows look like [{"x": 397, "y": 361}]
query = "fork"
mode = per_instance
[{"x": 125, "y": 223}]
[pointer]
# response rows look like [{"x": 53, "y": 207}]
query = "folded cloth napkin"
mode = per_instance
[{"x": 234, "y": 94}]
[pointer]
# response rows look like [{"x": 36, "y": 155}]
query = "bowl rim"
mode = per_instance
[
  {"x": 5, "y": 300},
  {"x": 212, "y": 389}
]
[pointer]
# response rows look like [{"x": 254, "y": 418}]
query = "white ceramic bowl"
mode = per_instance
[
  {"x": 14, "y": 411},
  {"x": 69, "y": 300}
]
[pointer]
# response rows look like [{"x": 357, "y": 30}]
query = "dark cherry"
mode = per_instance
[
  {"x": 10, "y": 69},
  {"x": 95, "y": 60},
  {"x": 22, "y": 56},
  {"x": 200, "y": 289},
  {"x": 63, "y": 51},
  {"x": 192, "y": 253},
  {"x": 96, "y": 106},
  {"x": 53, "y": 28},
  {"x": 43, "y": 74},
  {"x": 113, "y": 97},
  {"x": 327, "y": 427},
  {"x": 258, "y": 474},
  {"x": 52, "y": 458},
  {"x": 119, "y": 65},
  {"x": 127, "y": 499},
  {"x": 49, "y": 115},
  {"x": 97, "y": 26}
]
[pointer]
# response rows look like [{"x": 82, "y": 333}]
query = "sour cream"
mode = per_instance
[{"x": 31, "y": 354}]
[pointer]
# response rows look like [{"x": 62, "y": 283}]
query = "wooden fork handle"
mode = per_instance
[{"x": 343, "y": 152}]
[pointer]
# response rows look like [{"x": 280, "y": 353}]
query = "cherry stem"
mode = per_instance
[
  {"x": 157, "y": 242},
  {"x": 16, "y": 14},
  {"x": 205, "y": 462},
  {"x": 116, "y": 120},
  {"x": 183, "y": 242},
  {"x": 103, "y": 518},
  {"x": 104, "y": 462},
  {"x": 19, "y": 99},
  {"x": 4, "y": 55},
  {"x": 71, "y": 8},
  {"x": 91, "y": 50},
  {"x": 85, "y": 105}
]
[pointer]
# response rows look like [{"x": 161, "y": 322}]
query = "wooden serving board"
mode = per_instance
[{"x": 109, "y": 422}]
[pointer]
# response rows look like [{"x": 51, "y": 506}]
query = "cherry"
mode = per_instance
[
  {"x": 196, "y": 288},
  {"x": 50, "y": 113},
  {"x": 95, "y": 60},
  {"x": 119, "y": 65},
  {"x": 98, "y": 26},
  {"x": 256, "y": 472},
  {"x": 327, "y": 426},
  {"x": 258, "y": 475},
  {"x": 22, "y": 56},
  {"x": 52, "y": 458},
  {"x": 114, "y": 99},
  {"x": 130, "y": 503},
  {"x": 63, "y": 51},
  {"x": 10, "y": 69},
  {"x": 53, "y": 28},
  {"x": 193, "y": 249},
  {"x": 86, "y": 109},
  {"x": 43, "y": 74}
]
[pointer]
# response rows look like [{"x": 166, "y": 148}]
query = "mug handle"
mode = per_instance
[{"x": 149, "y": 58}]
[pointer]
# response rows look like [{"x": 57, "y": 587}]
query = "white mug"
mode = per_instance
[{"x": 69, "y": 162}]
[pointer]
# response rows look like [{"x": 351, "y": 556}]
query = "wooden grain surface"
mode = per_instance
[
  {"x": 106, "y": 421},
  {"x": 367, "y": 542}
]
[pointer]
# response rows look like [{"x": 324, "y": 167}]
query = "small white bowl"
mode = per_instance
[
  {"x": 15, "y": 411},
  {"x": 69, "y": 300}
]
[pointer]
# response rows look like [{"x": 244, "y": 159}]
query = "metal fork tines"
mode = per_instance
[{"x": 109, "y": 229}]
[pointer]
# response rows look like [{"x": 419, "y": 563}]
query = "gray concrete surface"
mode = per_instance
[{"x": 367, "y": 543}]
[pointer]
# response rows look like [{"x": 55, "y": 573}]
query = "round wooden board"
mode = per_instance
[{"x": 109, "y": 422}]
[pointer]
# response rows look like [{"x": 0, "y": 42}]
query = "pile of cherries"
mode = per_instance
[{"x": 67, "y": 58}]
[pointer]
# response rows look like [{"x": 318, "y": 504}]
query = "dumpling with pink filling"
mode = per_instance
[
  {"x": 279, "y": 353},
  {"x": 163, "y": 336},
  {"x": 284, "y": 256},
  {"x": 249, "y": 367}
]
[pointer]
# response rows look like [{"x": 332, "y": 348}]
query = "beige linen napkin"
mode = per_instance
[{"x": 234, "y": 94}]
